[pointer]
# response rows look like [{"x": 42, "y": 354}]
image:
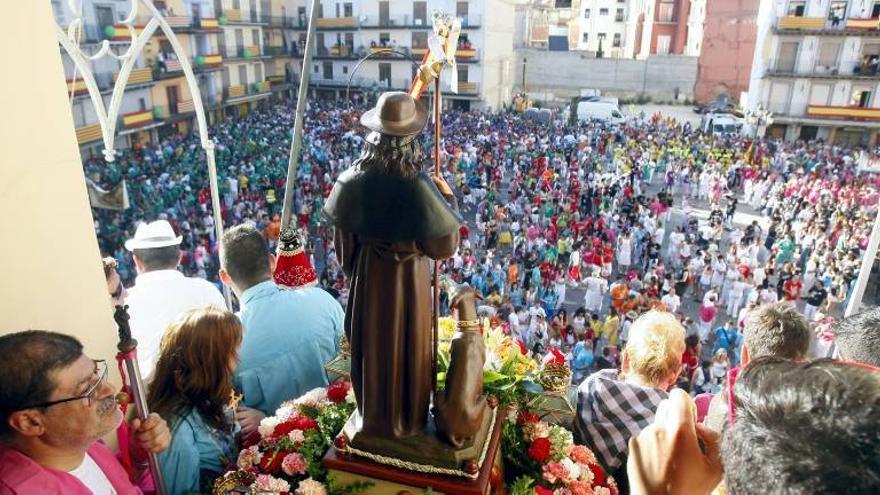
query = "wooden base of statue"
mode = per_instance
[{"x": 347, "y": 467}]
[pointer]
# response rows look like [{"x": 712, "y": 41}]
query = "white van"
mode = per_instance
[
  {"x": 604, "y": 111},
  {"x": 721, "y": 123}
]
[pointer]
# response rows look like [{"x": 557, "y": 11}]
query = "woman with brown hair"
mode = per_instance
[{"x": 191, "y": 387}]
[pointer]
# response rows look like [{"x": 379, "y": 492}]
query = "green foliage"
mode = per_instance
[
  {"x": 356, "y": 488},
  {"x": 524, "y": 485}
]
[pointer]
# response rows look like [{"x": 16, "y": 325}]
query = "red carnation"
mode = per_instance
[
  {"x": 540, "y": 450},
  {"x": 540, "y": 490},
  {"x": 522, "y": 347},
  {"x": 271, "y": 463},
  {"x": 338, "y": 391},
  {"x": 527, "y": 417},
  {"x": 598, "y": 475},
  {"x": 305, "y": 424}
]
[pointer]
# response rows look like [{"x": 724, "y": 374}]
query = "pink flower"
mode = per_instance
[
  {"x": 294, "y": 463},
  {"x": 269, "y": 484},
  {"x": 581, "y": 488},
  {"x": 249, "y": 457},
  {"x": 311, "y": 487},
  {"x": 582, "y": 455},
  {"x": 562, "y": 491},
  {"x": 297, "y": 437},
  {"x": 555, "y": 471}
]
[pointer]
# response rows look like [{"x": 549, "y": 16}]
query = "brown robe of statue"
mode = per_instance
[
  {"x": 387, "y": 231},
  {"x": 388, "y": 322}
]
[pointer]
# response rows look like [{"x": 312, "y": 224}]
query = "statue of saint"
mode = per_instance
[{"x": 391, "y": 219}]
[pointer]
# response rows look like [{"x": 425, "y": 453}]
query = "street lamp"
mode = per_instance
[{"x": 757, "y": 118}]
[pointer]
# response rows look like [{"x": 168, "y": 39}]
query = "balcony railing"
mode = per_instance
[
  {"x": 143, "y": 75},
  {"x": 137, "y": 119},
  {"x": 395, "y": 21},
  {"x": 276, "y": 51},
  {"x": 238, "y": 16},
  {"x": 801, "y": 23},
  {"x": 208, "y": 23},
  {"x": 120, "y": 32},
  {"x": 337, "y": 22},
  {"x": 179, "y": 21},
  {"x": 260, "y": 87},
  {"x": 235, "y": 91},
  {"x": 844, "y": 112},
  {"x": 89, "y": 133},
  {"x": 77, "y": 86},
  {"x": 863, "y": 24},
  {"x": 468, "y": 88}
]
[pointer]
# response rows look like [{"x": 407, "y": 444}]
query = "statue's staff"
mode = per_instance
[
  {"x": 442, "y": 45},
  {"x": 133, "y": 388},
  {"x": 296, "y": 140}
]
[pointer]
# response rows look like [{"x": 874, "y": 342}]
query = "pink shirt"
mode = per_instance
[{"x": 20, "y": 475}]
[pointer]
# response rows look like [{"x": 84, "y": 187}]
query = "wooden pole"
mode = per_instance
[{"x": 436, "y": 321}]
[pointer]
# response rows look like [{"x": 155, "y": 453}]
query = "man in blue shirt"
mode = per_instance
[{"x": 289, "y": 334}]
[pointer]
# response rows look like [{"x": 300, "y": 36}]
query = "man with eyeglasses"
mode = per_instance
[{"x": 55, "y": 405}]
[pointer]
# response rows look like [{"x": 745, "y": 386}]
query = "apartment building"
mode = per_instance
[
  {"x": 347, "y": 31},
  {"x": 816, "y": 68}
]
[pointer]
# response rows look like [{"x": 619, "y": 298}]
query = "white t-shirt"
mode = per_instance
[
  {"x": 156, "y": 300},
  {"x": 91, "y": 475}
]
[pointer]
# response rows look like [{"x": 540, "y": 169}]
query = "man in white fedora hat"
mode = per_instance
[{"x": 161, "y": 292}]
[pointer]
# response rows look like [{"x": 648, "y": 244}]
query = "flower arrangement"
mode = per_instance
[
  {"x": 284, "y": 455},
  {"x": 542, "y": 459},
  {"x": 509, "y": 372}
]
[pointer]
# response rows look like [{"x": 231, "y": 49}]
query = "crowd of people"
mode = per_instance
[{"x": 665, "y": 264}]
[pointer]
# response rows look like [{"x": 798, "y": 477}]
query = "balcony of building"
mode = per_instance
[
  {"x": 247, "y": 92},
  {"x": 405, "y": 21},
  {"x": 849, "y": 112},
  {"x": 174, "y": 111},
  {"x": 88, "y": 133},
  {"x": 239, "y": 53},
  {"x": 277, "y": 51},
  {"x": 336, "y": 23},
  {"x": 138, "y": 119},
  {"x": 238, "y": 16},
  {"x": 793, "y": 24}
]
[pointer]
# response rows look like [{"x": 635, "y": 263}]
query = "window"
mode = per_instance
[
  {"x": 420, "y": 39},
  {"x": 255, "y": 37},
  {"x": 603, "y": 12},
  {"x": 586, "y": 13},
  {"x": 586, "y": 37},
  {"x": 385, "y": 74},
  {"x": 463, "y": 74},
  {"x": 328, "y": 69},
  {"x": 616, "y": 42},
  {"x": 837, "y": 11},
  {"x": 347, "y": 9},
  {"x": 345, "y": 69},
  {"x": 828, "y": 51},
  {"x": 461, "y": 10},
  {"x": 875, "y": 12},
  {"x": 797, "y": 7},
  {"x": 618, "y": 15},
  {"x": 242, "y": 75},
  {"x": 384, "y": 39},
  {"x": 236, "y": 4},
  {"x": 787, "y": 57},
  {"x": 861, "y": 97},
  {"x": 663, "y": 44},
  {"x": 420, "y": 13},
  {"x": 142, "y": 104},
  {"x": 666, "y": 11}
]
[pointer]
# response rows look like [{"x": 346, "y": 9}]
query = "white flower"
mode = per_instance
[
  {"x": 313, "y": 398},
  {"x": 574, "y": 471},
  {"x": 311, "y": 487},
  {"x": 534, "y": 431},
  {"x": 601, "y": 490},
  {"x": 285, "y": 412},
  {"x": 267, "y": 426}
]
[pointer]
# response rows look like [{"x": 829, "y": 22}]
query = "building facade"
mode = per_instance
[
  {"x": 395, "y": 34},
  {"x": 725, "y": 56},
  {"x": 247, "y": 51},
  {"x": 816, "y": 68}
]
